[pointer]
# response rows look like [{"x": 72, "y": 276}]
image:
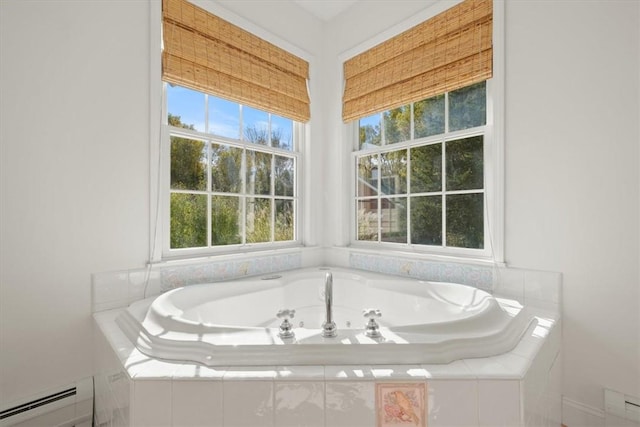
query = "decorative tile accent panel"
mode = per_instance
[
  {"x": 466, "y": 274},
  {"x": 401, "y": 403}
]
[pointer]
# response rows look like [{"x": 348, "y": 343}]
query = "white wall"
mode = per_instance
[
  {"x": 74, "y": 143},
  {"x": 572, "y": 177},
  {"x": 78, "y": 202}
]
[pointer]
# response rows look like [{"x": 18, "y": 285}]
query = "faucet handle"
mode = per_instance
[
  {"x": 286, "y": 314},
  {"x": 286, "y": 328},
  {"x": 372, "y": 329},
  {"x": 371, "y": 313}
]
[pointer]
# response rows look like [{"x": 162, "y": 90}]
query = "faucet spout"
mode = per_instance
[{"x": 329, "y": 328}]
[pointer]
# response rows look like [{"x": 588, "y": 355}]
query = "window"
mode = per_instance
[
  {"x": 421, "y": 174},
  {"x": 232, "y": 174}
]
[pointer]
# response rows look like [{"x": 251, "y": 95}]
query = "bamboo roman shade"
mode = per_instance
[
  {"x": 206, "y": 53},
  {"x": 447, "y": 52}
]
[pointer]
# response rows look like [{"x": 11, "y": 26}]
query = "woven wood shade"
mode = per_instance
[
  {"x": 208, "y": 54},
  {"x": 447, "y": 52}
]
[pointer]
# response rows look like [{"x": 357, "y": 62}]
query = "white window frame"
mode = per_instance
[
  {"x": 159, "y": 150},
  {"x": 493, "y": 250},
  {"x": 208, "y": 138}
]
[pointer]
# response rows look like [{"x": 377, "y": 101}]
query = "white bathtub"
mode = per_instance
[{"x": 234, "y": 323}]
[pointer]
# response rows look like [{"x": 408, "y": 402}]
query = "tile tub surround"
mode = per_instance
[
  {"x": 518, "y": 388},
  {"x": 116, "y": 289}
]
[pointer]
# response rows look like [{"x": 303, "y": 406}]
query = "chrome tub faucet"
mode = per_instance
[{"x": 329, "y": 328}]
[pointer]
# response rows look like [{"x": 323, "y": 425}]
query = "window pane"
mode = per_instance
[
  {"x": 368, "y": 220},
  {"x": 394, "y": 219},
  {"x": 397, "y": 124},
  {"x": 465, "y": 164},
  {"x": 258, "y": 173},
  {"x": 394, "y": 172},
  {"x": 284, "y": 174},
  {"x": 225, "y": 220},
  {"x": 188, "y": 164},
  {"x": 281, "y": 132},
  {"x": 468, "y": 107},
  {"x": 426, "y": 220},
  {"x": 284, "y": 220},
  {"x": 226, "y": 164},
  {"x": 368, "y": 175},
  {"x": 258, "y": 220},
  {"x": 370, "y": 131},
  {"x": 224, "y": 118},
  {"x": 426, "y": 168},
  {"x": 465, "y": 220},
  {"x": 429, "y": 117},
  {"x": 256, "y": 125},
  {"x": 185, "y": 108},
  {"x": 188, "y": 220}
]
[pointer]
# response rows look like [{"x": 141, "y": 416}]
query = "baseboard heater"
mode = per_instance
[
  {"x": 622, "y": 405},
  {"x": 28, "y": 406},
  {"x": 67, "y": 406}
]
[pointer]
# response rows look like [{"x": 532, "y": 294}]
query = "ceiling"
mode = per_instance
[{"x": 325, "y": 9}]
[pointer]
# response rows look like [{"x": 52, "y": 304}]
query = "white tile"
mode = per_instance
[
  {"x": 530, "y": 343},
  {"x": 510, "y": 283},
  {"x": 399, "y": 372},
  {"x": 503, "y": 366},
  {"x": 499, "y": 403},
  {"x": 300, "y": 373},
  {"x": 197, "y": 403},
  {"x": 452, "y": 403},
  {"x": 138, "y": 284},
  {"x": 454, "y": 370},
  {"x": 108, "y": 289},
  {"x": 121, "y": 387},
  {"x": 248, "y": 403},
  {"x": 299, "y": 404},
  {"x": 350, "y": 403},
  {"x": 250, "y": 373},
  {"x": 542, "y": 286},
  {"x": 151, "y": 369},
  {"x": 553, "y": 394},
  {"x": 348, "y": 373},
  {"x": 199, "y": 372},
  {"x": 151, "y": 404}
]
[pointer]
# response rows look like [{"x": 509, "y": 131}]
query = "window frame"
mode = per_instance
[
  {"x": 209, "y": 138},
  {"x": 493, "y": 152},
  {"x": 159, "y": 150},
  {"x": 443, "y": 138}
]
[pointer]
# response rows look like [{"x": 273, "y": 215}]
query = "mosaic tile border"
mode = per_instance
[
  {"x": 466, "y": 274},
  {"x": 174, "y": 277}
]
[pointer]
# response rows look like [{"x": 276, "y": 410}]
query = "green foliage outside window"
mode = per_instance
[
  {"x": 189, "y": 197},
  {"x": 437, "y": 185}
]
